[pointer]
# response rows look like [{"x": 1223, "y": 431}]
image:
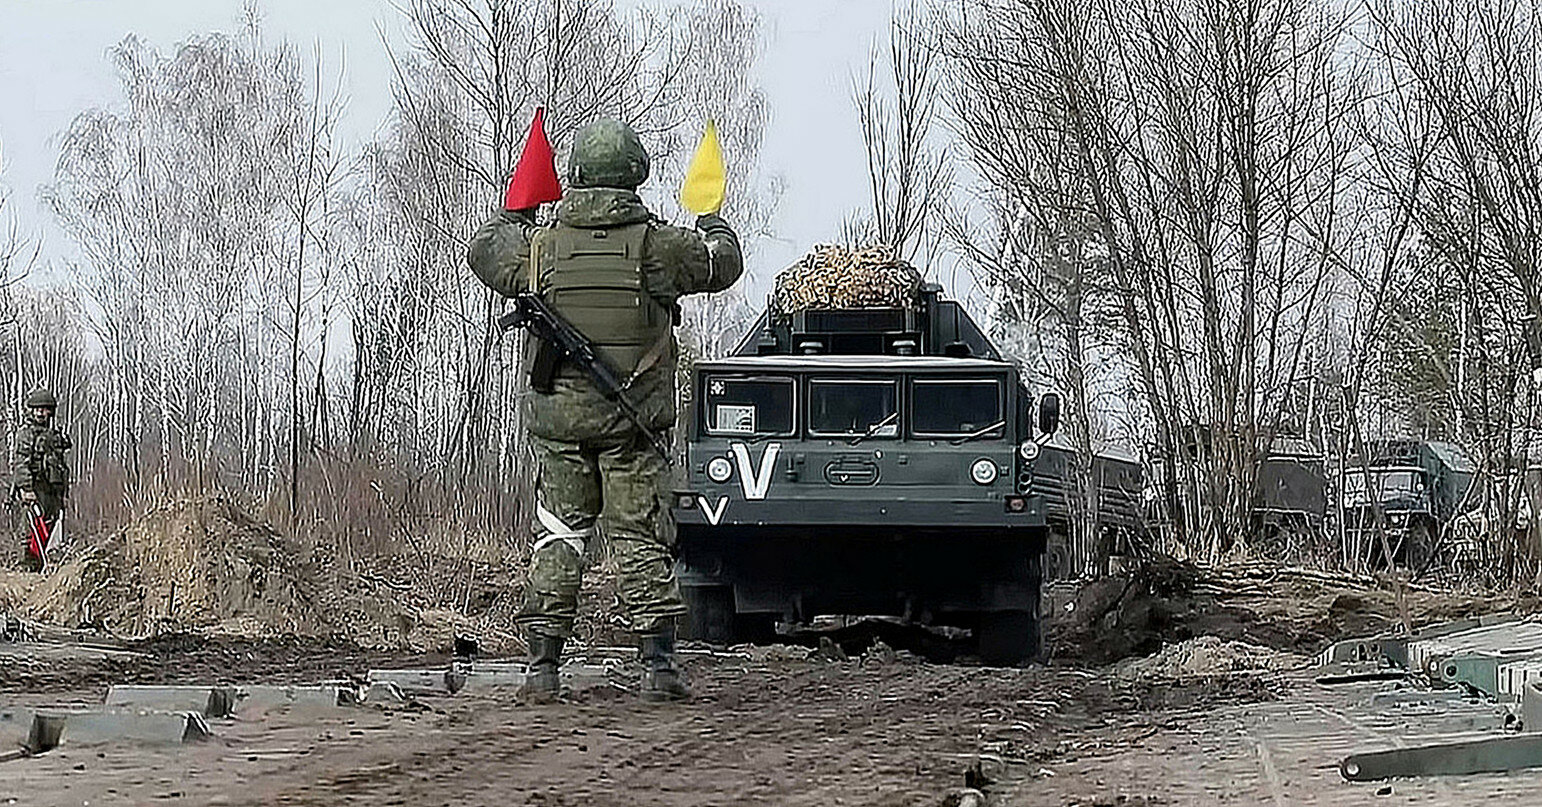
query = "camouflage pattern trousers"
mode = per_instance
[{"x": 621, "y": 487}]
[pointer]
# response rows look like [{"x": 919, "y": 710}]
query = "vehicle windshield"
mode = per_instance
[
  {"x": 1390, "y": 485},
  {"x": 853, "y": 408},
  {"x": 748, "y": 406},
  {"x": 956, "y": 407}
]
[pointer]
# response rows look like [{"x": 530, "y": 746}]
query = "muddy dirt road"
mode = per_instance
[
  {"x": 761, "y": 731},
  {"x": 1106, "y": 723},
  {"x": 766, "y": 731}
]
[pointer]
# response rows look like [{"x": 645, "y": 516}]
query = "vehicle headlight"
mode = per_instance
[
  {"x": 1029, "y": 450},
  {"x": 719, "y": 469},
  {"x": 983, "y": 471}
]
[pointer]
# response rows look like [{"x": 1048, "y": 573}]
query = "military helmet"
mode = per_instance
[
  {"x": 607, "y": 154},
  {"x": 42, "y": 399}
]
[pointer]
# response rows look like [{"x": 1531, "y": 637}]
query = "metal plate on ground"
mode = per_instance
[
  {"x": 431, "y": 681},
  {"x": 46, "y": 728},
  {"x": 1478, "y": 756},
  {"x": 208, "y": 701},
  {"x": 264, "y": 696}
]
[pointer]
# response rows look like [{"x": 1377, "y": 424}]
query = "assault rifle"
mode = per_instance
[{"x": 560, "y": 340}]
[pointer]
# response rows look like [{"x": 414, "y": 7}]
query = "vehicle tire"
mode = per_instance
[
  {"x": 1420, "y": 547},
  {"x": 1008, "y": 638},
  {"x": 709, "y": 614},
  {"x": 711, "y": 618},
  {"x": 1057, "y": 556}
]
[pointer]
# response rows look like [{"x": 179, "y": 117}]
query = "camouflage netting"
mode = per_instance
[
  {"x": 833, "y": 276},
  {"x": 193, "y": 564}
]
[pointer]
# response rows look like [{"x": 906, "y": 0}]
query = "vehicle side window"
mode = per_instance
[{"x": 748, "y": 405}]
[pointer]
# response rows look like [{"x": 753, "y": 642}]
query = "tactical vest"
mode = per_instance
[
  {"x": 594, "y": 279},
  {"x": 45, "y": 459}
]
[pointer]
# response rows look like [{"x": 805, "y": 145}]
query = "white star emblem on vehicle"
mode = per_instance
[{"x": 717, "y": 388}]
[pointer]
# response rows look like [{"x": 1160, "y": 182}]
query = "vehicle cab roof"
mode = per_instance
[{"x": 882, "y": 363}]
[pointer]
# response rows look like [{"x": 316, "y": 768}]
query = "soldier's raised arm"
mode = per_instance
[
  {"x": 499, "y": 254},
  {"x": 706, "y": 259}
]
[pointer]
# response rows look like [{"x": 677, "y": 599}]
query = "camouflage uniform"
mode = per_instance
[
  {"x": 38, "y": 465},
  {"x": 594, "y": 464}
]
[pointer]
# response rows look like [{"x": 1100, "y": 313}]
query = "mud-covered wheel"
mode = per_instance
[
  {"x": 1419, "y": 545},
  {"x": 1006, "y": 638},
  {"x": 709, "y": 614},
  {"x": 711, "y": 618}
]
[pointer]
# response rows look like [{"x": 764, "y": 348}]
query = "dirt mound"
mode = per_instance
[
  {"x": 1298, "y": 611},
  {"x": 197, "y": 564},
  {"x": 1207, "y": 656}
]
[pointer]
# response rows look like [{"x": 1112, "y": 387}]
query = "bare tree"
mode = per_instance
[
  {"x": 193, "y": 213},
  {"x": 1455, "y": 151},
  {"x": 1207, "y": 140},
  {"x": 896, "y": 101}
]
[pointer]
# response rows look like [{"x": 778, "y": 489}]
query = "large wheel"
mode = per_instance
[
  {"x": 711, "y": 618},
  {"x": 1007, "y": 638},
  {"x": 709, "y": 613},
  {"x": 1420, "y": 546}
]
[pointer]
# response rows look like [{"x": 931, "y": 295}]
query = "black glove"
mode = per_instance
[
  {"x": 524, "y": 218},
  {"x": 713, "y": 226}
]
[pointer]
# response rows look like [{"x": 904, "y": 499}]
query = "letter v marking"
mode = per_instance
[
  {"x": 714, "y": 515},
  {"x": 755, "y": 483}
]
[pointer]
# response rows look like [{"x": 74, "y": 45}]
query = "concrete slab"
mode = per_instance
[
  {"x": 484, "y": 676},
  {"x": 259, "y": 697},
  {"x": 208, "y": 701},
  {"x": 431, "y": 681},
  {"x": 47, "y": 728}
]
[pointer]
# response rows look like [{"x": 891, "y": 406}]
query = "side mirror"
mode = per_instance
[{"x": 1049, "y": 412}]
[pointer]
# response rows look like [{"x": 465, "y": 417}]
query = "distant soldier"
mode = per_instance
[
  {"x": 614, "y": 271},
  {"x": 40, "y": 476}
]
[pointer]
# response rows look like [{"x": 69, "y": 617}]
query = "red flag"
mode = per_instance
[
  {"x": 535, "y": 176},
  {"x": 37, "y": 539}
]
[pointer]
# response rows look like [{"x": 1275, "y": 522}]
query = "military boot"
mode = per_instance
[
  {"x": 661, "y": 676},
  {"x": 541, "y": 682}
]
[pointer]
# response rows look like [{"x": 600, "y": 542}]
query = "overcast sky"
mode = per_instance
[{"x": 53, "y": 64}]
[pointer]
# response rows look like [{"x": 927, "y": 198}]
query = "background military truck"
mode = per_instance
[
  {"x": 1420, "y": 486},
  {"x": 1117, "y": 485},
  {"x": 863, "y": 461},
  {"x": 1290, "y": 500}
]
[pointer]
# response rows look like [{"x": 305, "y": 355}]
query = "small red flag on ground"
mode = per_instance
[{"x": 535, "y": 175}]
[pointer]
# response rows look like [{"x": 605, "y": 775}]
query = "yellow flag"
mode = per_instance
[{"x": 706, "y": 179}]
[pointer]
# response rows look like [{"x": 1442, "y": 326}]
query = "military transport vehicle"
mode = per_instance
[
  {"x": 1118, "y": 481},
  {"x": 869, "y": 461},
  {"x": 1420, "y": 487},
  {"x": 1290, "y": 500}
]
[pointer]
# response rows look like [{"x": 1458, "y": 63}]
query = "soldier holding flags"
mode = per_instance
[{"x": 614, "y": 272}]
